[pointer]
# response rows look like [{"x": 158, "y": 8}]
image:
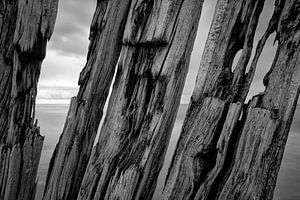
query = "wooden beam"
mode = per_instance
[
  {"x": 238, "y": 155},
  {"x": 157, "y": 43},
  {"x": 71, "y": 155},
  {"x": 26, "y": 26}
]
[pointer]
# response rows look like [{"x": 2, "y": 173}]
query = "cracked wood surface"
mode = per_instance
[
  {"x": 196, "y": 154},
  {"x": 7, "y": 23},
  {"x": 269, "y": 117},
  {"x": 26, "y": 26},
  {"x": 238, "y": 157},
  {"x": 71, "y": 155},
  {"x": 153, "y": 64}
]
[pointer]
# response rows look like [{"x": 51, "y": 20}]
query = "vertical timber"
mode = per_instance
[
  {"x": 26, "y": 27},
  {"x": 157, "y": 43},
  {"x": 229, "y": 149},
  {"x": 71, "y": 155}
]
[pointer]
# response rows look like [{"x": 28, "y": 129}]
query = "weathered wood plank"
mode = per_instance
[
  {"x": 23, "y": 165},
  {"x": 232, "y": 29},
  {"x": 26, "y": 26},
  {"x": 151, "y": 72},
  {"x": 204, "y": 155},
  {"x": 68, "y": 163},
  {"x": 200, "y": 146},
  {"x": 197, "y": 163},
  {"x": 256, "y": 137},
  {"x": 256, "y": 167},
  {"x": 250, "y": 147}
]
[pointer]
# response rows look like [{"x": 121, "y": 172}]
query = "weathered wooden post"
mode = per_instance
[
  {"x": 269, "y": 116},
  {"x": 26, "y": 26},
  {"x": 158, "y": 40},
  {"x": 228, "y": 150},
  {"x": 68, "y": 163}
]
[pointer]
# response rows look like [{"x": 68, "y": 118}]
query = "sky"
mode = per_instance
[{"x": 67, "y": 50}]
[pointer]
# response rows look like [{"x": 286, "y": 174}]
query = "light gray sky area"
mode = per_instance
[{"x": 67, "y": 51}]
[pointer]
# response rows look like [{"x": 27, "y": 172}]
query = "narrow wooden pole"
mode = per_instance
[
  {"x": 157, "y": 43},
  {"x": 228, "y": 149},
  {"x": 71, "y": 155},
  {"x": 26, "y": 26}
]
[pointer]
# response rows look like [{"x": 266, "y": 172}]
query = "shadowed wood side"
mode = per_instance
[
  {"x": 71, "y": 155},
  {"x": 240, "y": 158},
  {"x": 26, "y": 26},
  {"x": 158, "y": 40}
]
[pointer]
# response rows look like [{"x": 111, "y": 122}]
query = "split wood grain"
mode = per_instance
[
  {"x": 158, "y": 40},
  {"x": 240, "y": 157},
  {"x": 71, "y": 155},
  {"x": 26, "y": 26}
]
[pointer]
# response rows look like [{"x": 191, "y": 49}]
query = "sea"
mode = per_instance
[{"x": 51, "y": 118}]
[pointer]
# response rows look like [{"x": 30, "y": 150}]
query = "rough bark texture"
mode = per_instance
[
  {"x": 71, "y": 154},
  {"x": 26, "y": 26},
  {"x": 157, "y": 44},
  {"x": 228, "y": 149}
]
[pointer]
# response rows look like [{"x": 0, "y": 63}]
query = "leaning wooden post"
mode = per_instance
[
  {"x": 268, "y": 118},
  {"x": 26, "y": 28},
  {"x": 227, "y": 150},
  {"x": 158, "y": 40},
  {"x": 69, "y": 160}
]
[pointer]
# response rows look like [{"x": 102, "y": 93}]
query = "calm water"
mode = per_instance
[{"x": 52, "y": 118}]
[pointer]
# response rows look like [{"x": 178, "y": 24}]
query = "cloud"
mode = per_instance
[
  {"x": 72, "y": 27},
  {"x": 55, "y": 95},
  {"x": 66, "y": 52},
  {"x": 61, "y": 70},
  {"x": 59, "y": 76}
]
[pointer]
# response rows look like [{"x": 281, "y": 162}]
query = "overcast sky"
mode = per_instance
[{"x": 66, "y": 54}]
